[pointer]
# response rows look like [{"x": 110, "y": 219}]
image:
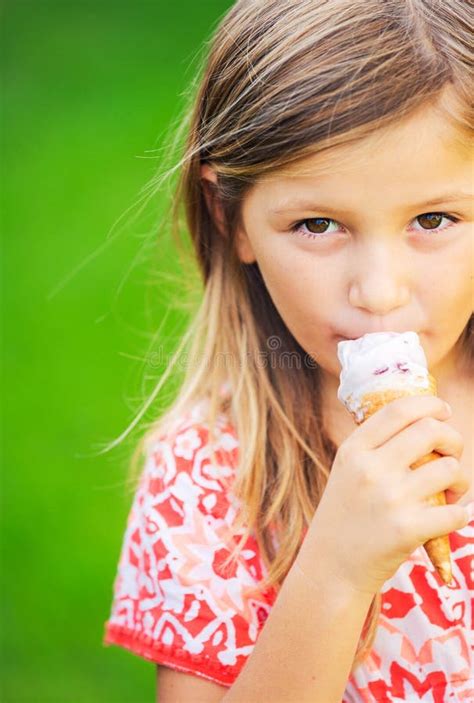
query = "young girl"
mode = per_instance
[{"x": 274, "y": 550}]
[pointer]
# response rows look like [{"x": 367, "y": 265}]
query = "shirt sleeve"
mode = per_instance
[{"x": 173, "y": 601}]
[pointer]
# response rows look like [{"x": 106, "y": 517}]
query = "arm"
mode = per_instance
[
  {"x": 179, "y": 687},
  {"x": 306, "y": 648},
  {"x": 374, "y": 512},
  {"x": 304, "y": 652}
]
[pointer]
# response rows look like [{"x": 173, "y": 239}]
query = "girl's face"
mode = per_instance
[{"x": 375, "y": 237}]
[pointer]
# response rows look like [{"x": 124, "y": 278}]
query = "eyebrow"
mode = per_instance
[{"x": 307, "y": 205}]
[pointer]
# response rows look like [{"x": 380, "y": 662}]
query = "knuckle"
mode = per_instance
[
  {"x": 344, "y": 451},
  {"x": 401, "y": 529},
  {"x": 455, "y": 434},
  {"x": 428, "y": 425},
  {"x": 454, "y": 440},
  {"x": 460, "y": 515},
  {"x": 451, "y": 463},
  {"x": 389, "y": 495},
  {"x": 441, "y": 406},
  {"x": 366, "y": 476},
  {"x": 397, "y": 410}
]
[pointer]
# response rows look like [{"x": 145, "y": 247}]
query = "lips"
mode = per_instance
[{"x": 341, "y": 337}]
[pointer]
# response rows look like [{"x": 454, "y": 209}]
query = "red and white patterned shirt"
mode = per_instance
[{"x": 173, "y": 603}]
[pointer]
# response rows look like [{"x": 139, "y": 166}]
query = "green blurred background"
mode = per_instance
[{"x": 90, "y": 90}]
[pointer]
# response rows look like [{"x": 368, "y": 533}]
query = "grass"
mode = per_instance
[{"x": 89, "y": 89}]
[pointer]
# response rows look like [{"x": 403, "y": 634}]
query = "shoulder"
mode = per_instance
[
  {"x": 187, "y": 461},
  {"x": 179, "y": 598},
  {"x": 190, "y": 431}
]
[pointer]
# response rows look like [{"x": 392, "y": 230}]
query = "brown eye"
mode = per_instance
[
  {"x": 317, "y": 225},
  {"x": 430, "y": 220},
  {"x": 315, "y": 228}
]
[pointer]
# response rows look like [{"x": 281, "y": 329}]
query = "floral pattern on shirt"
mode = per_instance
[{"x": 174, "y": 603}]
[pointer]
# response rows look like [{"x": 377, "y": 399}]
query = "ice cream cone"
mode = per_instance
[{"x": 367, "y": 402}]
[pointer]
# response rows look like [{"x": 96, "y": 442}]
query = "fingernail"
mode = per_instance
[{"x": 448, "y": 409}]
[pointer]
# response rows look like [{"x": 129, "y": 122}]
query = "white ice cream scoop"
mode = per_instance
[{"x": 380, "y": 361}]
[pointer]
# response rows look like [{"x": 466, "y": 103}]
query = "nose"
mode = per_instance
[{"x": 379, "y": 279}]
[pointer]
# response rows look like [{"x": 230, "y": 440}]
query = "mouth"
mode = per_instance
[{"x": 342, "y": 338}]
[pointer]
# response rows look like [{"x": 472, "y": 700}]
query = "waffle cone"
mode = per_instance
[{"x": 438, "y": 548}]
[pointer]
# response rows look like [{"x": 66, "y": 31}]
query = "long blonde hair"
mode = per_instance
[{"x": 282, "y": 81}]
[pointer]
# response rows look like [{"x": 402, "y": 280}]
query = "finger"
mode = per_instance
[
  {"x": 436, "y": 476},
  {"x": 396, "y": 416},
  {"x": 424, "y": 436},
  {"x": 440, "y": 520}
]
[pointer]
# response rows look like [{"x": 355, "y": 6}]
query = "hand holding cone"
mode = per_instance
[
  {"x": 438, "y": 548},
  {"x": 376, "y": 369}
]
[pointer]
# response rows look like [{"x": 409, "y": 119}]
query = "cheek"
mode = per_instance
[
  {"x": 445, "y": 295},
  {"x": 449, "y": 286},
  {"x": 290, "y": 273},
  {"x": 300, "y": 287}
]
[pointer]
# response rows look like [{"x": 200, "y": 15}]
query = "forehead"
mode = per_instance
[
  {"x": 426, "y": 140},
  {"x": 405, "y": 162}
]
